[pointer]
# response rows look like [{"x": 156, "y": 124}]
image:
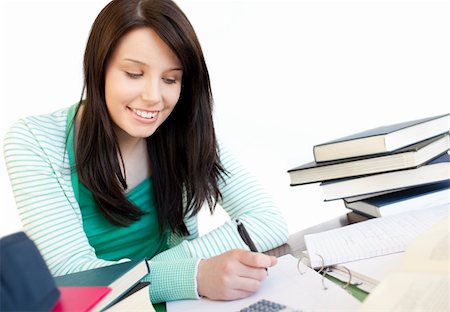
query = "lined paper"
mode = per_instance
[{"x": 371, "y": 238}]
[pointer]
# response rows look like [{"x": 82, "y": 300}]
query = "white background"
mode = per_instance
[{"x": 285, "y": 76}]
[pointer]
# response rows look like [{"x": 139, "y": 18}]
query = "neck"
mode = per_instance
[
  {"x": 128, "y": 144},
  {"x": 135, "y": 158}
]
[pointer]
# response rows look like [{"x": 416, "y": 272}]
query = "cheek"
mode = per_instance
[
  {"x": 119, "y": 90},
  {"x": 112, "y": 93},
  {"x": 172, "y": 97}
]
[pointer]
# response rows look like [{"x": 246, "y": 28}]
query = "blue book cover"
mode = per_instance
[{"x": 410, "y": 199}]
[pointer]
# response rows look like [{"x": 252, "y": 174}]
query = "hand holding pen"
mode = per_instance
[
  {"x": 246, "y": 237},
  {"x": 234, "y": 274}
]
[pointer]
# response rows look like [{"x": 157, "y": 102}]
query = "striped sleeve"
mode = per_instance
[
  {"x": 34, "y": 151},
  {"x": 243, "y": 198}
]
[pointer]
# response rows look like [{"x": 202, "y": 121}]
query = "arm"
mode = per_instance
[
  {"x": 243, "y": 198},
  {"x": 246, "y": 200},
  {"x": 39, "y": 172}
]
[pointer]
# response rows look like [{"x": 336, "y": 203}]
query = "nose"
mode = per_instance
[{"x": 151, "y": 92}]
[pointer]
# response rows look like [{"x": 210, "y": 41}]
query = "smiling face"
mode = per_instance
[{"x": 142, "y": 84}]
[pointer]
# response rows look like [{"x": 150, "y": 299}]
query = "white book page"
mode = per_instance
[
  {"x": 284, "y": 285},
  {"x": 376, "y": 269},
  {"x": 423, "y": 284},
  {"x": 368, "y": 273},
  {"x": 371, "y": 238},
  {"x": 137, "y": 302},
  {"x": 410, "y": 292},
  {"x": 430, "y": 252}
]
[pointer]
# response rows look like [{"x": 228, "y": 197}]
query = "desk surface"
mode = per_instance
[{"x": 296, "y": 242}]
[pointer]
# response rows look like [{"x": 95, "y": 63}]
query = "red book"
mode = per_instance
[{"x": 80, "y": 298}]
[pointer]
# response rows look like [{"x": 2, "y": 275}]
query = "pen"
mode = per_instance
[{"x": 245, "y": 236}]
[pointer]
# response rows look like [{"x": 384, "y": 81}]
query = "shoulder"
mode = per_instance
[
  {"x": 46, "y": 127},
  {"x": 234, "y": 169},
  {"x": 225, "y": 155},
  {"x": 47, "y": 124}
]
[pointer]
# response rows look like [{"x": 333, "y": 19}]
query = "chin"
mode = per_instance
[
  {"x": 141, "y": 132},
  {"x": 144, "y": 135}
]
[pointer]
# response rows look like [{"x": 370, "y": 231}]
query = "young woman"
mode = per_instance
[{"x": 123, "y": 173}]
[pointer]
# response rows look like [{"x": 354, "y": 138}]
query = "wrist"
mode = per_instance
[{"x": 199, "y": 277}]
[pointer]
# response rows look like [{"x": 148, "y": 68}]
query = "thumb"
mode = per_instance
[{"x": 274, "y": 260}]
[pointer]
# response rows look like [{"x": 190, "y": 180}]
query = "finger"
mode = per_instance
[
  {"x": 274, "y": 260},
  {"x": 257, "y": 260},
  {"x": 249, "y": 285},
  {"x": 236, "y": 294},
  {"x": 246, "y": 271}
]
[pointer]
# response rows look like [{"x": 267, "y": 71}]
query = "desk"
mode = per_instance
[
  {"x": 419, "y": 266},
  {"x": 296, "y": 244}
]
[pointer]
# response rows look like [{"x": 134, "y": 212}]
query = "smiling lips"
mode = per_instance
[{"x": 144, "y": 114}]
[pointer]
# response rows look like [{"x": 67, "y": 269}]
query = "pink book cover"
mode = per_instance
[{"x": 80, "y": 298}]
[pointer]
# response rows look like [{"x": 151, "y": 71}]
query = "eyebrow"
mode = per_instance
[{"x": 142, "y": 63}]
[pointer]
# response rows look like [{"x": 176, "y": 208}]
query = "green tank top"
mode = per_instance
[{"x": 141, "y": 239}]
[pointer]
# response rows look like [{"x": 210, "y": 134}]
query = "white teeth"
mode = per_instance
[{"x": 143, "y": 114}]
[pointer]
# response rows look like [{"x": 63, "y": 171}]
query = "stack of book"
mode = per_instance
[{"x": 385, "y": 170}]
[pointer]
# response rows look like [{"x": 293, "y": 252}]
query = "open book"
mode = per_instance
[{"x": 423, "y": 281}]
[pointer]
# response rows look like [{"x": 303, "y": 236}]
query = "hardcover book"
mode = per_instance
[
  {"x": 404, "y": 158},
  {"x": 402, "y": 201},
  {"x": 80, "y": 298},
  {"x": 120, "y": 278},
  {"x": 138, "y": 301},
  {"x": 365, "y": 196},
  {"x": 436, "y": 170},
  {"x": 355, "y": 217},
  {"x": 382, "y": 139}
]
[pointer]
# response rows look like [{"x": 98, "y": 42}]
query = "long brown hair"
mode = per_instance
[{"x": 183, "y": 151}]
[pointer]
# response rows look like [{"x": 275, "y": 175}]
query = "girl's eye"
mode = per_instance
[
  {"x": 134, "y": 75},
  {"x": 169, "y": 80}
]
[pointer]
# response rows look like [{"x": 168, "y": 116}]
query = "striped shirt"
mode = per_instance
[{"x": 38, "y": 167}]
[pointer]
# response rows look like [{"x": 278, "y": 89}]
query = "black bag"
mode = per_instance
[{"x": 26, "y": 284}]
